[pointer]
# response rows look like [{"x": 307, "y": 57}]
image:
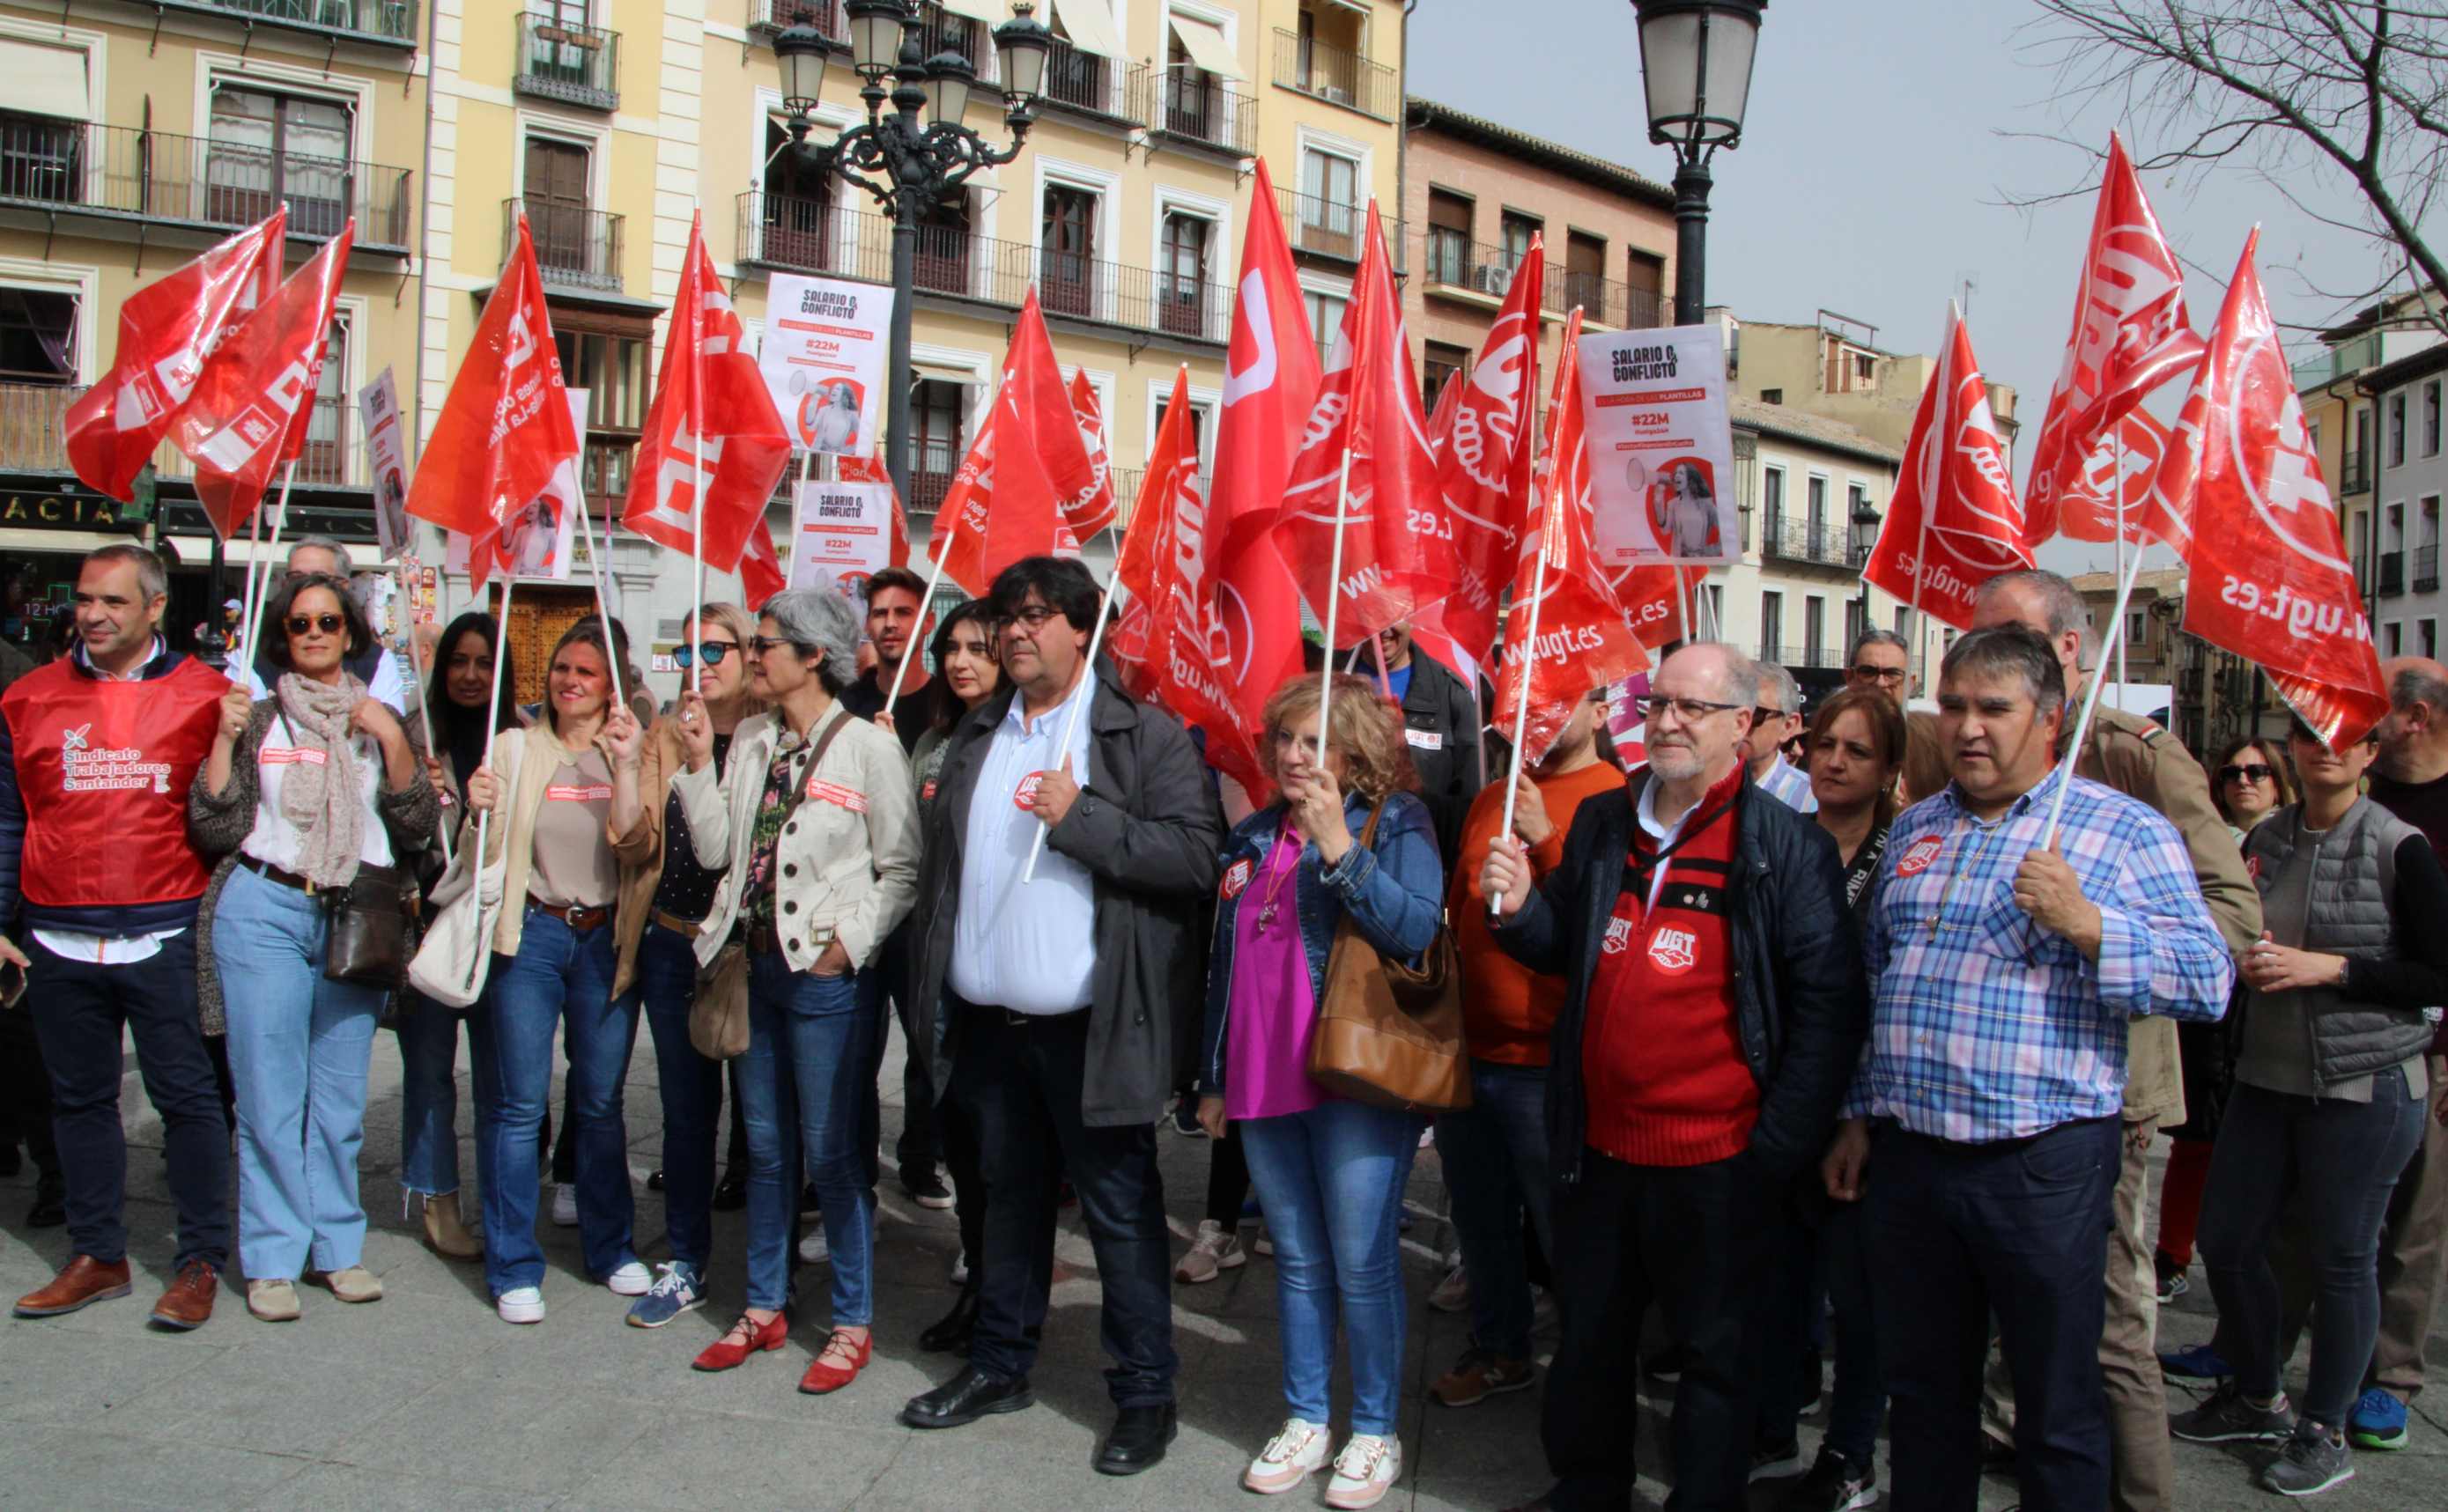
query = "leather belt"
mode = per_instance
[
  {"x": 579, "y": 917},
  {"x": 275, "y": 874},
  {"x": 1014, "y": 1018},
  {"x": 761, "y": 939},
  {"x": 685, "y": 927}
]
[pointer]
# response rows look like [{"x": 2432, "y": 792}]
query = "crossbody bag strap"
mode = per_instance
[{"x": 816, "y": 756}]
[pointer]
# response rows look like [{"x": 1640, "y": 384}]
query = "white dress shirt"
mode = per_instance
[
  {"x": 1030, "y": 947},
  {"x": 108, "y": 950}
]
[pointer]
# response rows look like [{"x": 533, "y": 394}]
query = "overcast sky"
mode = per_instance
[{"x": 1873, "y": 172}]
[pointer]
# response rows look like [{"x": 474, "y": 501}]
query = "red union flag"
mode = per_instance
[
  {"x": 253, "y": 401},
  {"x": 504, "y": 425},
  {"x": 2130, "y": 335},
  {"x": 1584, "y": 638},
  {"x": 1002, "y": 505},
  {"x": 1096, "y": 511},
  {"x": 166, "y": 331},
  {"x": 1953, "y": 522},
  {"x": 1655, "y": 605},
  {"x": 2268, "y": 576},
  {"x": 1483, "y": 461},
  {"x": 871, "y": 470},
  {"x": 2122, "y": 468},
  {"x": 713, "y": 430}
]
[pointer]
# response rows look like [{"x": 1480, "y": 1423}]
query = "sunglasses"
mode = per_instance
[
  {"x": 713, "y": 650},
  {"x": 2249, "y": 772},
  {"x": 328, "y": 624}
]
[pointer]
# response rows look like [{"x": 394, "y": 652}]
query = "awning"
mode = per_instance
[
  {"x": 993, "y": 13},
  {"x": 1204, "y": 41},
  {"x": 1089, "y": 24},
  {"x": 45, "y": 81}
]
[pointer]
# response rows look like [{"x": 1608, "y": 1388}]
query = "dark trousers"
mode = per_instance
[
  {"x": 81, "y": 1009},
  {"x": 920, "y": 1148},
  {"x": 1686, "y": 1238},
  {"x": 2019, "y": 1227},
  {"x": 1858, "y": 1398},
  {"x": 1785, "y": 1308},
  {"x": 26, "y": 1095},
  {"x": 1228, "y": 1179},
  {"x": 1020, "y": 1080},
  {"x": 2341, "y": 1160}
]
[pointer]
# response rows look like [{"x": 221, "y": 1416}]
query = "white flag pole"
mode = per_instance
[
  {"x": 900, "y": 671},
  {"x": 2114, "y": 644},
  {"x": 234, "y": 639},
  {"x": 405, "y": 565},
  {"x": 604, "y": 606},
  {"x": 1333, "y": 596},
  {"x": 2120, "y": 566},
  {"x": 492, "y": 703},
  {"x": 697, "y": 438},
  {"x": 1529, "y": 653},
  {"x": 262, "y": 583}
]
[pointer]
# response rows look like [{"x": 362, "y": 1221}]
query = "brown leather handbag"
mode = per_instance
[
  {"x": 372, "y": 920},
  {"x": 1389, "y": 1035}
]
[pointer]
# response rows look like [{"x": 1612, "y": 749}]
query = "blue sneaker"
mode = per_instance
[
  {"x": 676, "y": 1290},
  {"x": 2199, "y": 1363},
  {"x": 2378, "y": 1420}
]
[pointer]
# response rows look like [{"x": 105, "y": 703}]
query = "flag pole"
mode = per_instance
[
  {"x": 416, "y": 669},
  {"x": 246, "y": 590},
  {"x": 1334, "y": 597},
  {"x": 697, "y": 439},
  {"x": 1071, "y": 720},
  {"x": 1529, "y": 653},
  {"x": 2120, "y": 562},
  {"x": 271, "y": 549},
  {"x": 604, "y": 606},
  {"x": 2114, "y": 644},
  {"x": 900, "y": 671},
  {"x": 492, "y": 718}
]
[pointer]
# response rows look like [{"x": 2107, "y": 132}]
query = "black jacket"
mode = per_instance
[
  {"x": 1149, "y": 829},
  {"x": 1803, "y": 1004},
  {"x": 1441, "y": 723}
]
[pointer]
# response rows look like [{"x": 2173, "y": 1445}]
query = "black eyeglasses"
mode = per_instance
[
  {"x": 713, "y": 650},
  {"x": 1690, "y": 710},
  {"x": 1864, "y": 672},
  {"x": 763, "y": 644},
  {"x": 328, "y": 624},
  {"x": 1033, "y": 615},
  {"x": 2248, "y": 771}
]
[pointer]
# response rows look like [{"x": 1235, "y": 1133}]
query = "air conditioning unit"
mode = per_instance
[{"x": 1490, "y": 280}]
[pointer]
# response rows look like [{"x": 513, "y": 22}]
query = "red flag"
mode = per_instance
[
  {"x": 1582, "y": 637},
  {"x": 1654, "y": 606},
  {"x": 760, "y": 568},
  {"x": 1484, "y": 463},
  {"x": 1395, "y": 541},
  {"x": 2268, "y": 577},
  {"x": 1099, "y": 510},
  {"x": 2125, "y": 463},
  {"x": 166, "y": 331},
  {"x": 1440, "y": 418},
  {"x": 999, "y": 508},
  {"x": 1953, "y": 522},
  {"x": 871, "y": 470},
  {"x": 726, "y": 439},
  {"x": 1049, "y": 417},
  {"x": 255, "y": 399},
  {"x": 504, "y": 425},
  {"x": 2130, "y": 335}
]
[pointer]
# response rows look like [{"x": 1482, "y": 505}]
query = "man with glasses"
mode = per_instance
[
  {"x": 1714, "y": 1012},
  {"x": 897, "y": 625},
  {"x": 1776, "y": 720},
  {"x": 1879, "y": 662},
  {"x": 1051, "y": 1003},
  {"x": 2140, "y": 760}
]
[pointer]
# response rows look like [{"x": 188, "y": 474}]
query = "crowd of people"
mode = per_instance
[{"x": 1788, "y": 1037}]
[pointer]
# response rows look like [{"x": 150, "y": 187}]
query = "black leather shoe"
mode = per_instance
[
  {"x": 50, "y": 1209},
  {"x": 655, "y": 1180},
  {"x": 966, "y": 1398},
  {"x": 1137, "y": 1441},
  {"x": 731, "y": 1192},
  {"x": 950, "y": 1334}
]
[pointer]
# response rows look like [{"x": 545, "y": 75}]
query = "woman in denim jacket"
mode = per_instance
[{"x": 1329, "y": 1173}]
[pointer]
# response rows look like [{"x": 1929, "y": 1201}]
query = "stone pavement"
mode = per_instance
[{"x": 426, "y": 1399}]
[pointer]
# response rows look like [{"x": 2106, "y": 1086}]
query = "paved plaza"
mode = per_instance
[{"x": 426, "y": 1399}]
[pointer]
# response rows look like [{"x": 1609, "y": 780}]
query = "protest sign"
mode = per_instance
[
  {"x": 1661, "y": 455},
  {"x": 841, "y": 535},
  {"x": 823, "y": 360},
  {"x": 386, "y": 462}
]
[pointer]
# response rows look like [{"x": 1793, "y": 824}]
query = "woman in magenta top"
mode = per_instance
[{"x": 1329, "y": 1172}]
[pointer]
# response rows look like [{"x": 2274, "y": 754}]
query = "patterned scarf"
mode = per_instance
[
  {"x": 765, "y": 835},
  {"x": 324, "y": 800}
]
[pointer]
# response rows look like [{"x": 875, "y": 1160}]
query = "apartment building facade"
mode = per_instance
[{"x": 2409, "y": 477}]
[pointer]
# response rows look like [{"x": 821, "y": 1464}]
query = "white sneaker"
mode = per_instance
[
  {"x": 1452, "y": 1294},
  {"x": 565, "y": 1204},
  {"x": 1365, "y": 1471},
  {"x": 813, "y": 1249},
  {"x": 1289, "y": 1458},
  {"x": 960, "y": 1270},
  {"x": 630, "y": 1280},
  {"x": 1215, "y": 1250},
  {"x": 521, "y": 1304}
]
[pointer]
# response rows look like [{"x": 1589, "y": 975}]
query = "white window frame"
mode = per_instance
[
  {"x": 256, "y": 69},
  {"x": 96, "y": 46},
  {"x": 831, "y": 121},
  {"x": 1208, "y": 404},
  {"x": 1103, "y": 183},
  {"x": 80, "y": 279}
]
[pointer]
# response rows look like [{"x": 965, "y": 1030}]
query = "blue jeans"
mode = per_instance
[
  {"x": 1332, "y": 1181},
  {"x": 692, "y": 1091},
  {"x": 299, "y": 1047},
  {"x": 1859, "y": 1398},
  {"x": 1494, "y": 1154},
  {"x": 559, "y": 977},
  {"x": 799, "y": 1093},
  {"x": 428, "y": 1088}
]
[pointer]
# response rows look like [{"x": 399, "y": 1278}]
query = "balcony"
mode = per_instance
[
  {"x": 812, "y": 235},
  {"x": 2355, "y": 471},
  {"x": 1822, "y": 656},
  {"x": 2392, "y": 573},
  {"x": 939, "y": 30},
  {"x": 766, "y": 17},
  {"x": 1085, "y": 83},
  {"x": 577, "y": 65},
  {"x": 2426, "y": 569},
  {"x": 574, "y": 246},
  {"x": 1799, "y": 541},
  {"x": 1456, "y": 264},
  {"x": 32, "y": 416},
  {"x": 1328, "y": 228},
  {"x": 124, "y": 173},
  {"x": 1197, "y": 108},
  {"x": 1338, "y": 77},
  {"x": 392, "y": 23}
]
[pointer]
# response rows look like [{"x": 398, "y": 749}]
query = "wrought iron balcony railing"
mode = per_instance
[
  {"x": 157, "y": 175},
  {"x": 32, "y": 416},
  {"x": 579, "y": 66},
  {"x": 1334, "y": 75},
  {"x": 1198, "y": 107},
  {"x": 573, "y": 244}
]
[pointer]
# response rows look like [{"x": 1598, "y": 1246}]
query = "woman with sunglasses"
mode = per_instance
[
  {"x": 455, "y": 699},
  {"x": 2248, "y": 783},
  {"x": 2329, "y": 1098},
  {"x": 1330, "y": 1172},
  {"x": 665, "y": 897},
  {"x": 310, "y": 790},
  {"x": 813, "y": 828},
  {"x": 560, "y": 792}
]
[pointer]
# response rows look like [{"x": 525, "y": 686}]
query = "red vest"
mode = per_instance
[{"x": 104, "y": 769}]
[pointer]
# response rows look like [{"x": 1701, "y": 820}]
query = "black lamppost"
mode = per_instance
[
  {"x": 1866, "y": 520},
  {"x": 919, "y": 164},
  {"x": 1695, "y": 58}
]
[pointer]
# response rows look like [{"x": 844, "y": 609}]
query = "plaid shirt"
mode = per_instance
[{"x": 1986, "y": 1027}]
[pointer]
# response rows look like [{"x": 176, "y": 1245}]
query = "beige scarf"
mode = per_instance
[{"x": 324, "y": 801}]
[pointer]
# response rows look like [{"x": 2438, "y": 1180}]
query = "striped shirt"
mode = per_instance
[
  {"x": 1986, "y": 1027},
  {"x": 1788, "y": 785}
]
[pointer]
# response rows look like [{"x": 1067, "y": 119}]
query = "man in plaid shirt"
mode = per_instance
[{"x": 1989, "y": 1091}]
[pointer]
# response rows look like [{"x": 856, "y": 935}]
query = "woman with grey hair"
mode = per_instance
[{"x": 814, "y": 825}]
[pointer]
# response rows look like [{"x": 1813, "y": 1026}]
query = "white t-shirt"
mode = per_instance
[{"x": 274, "y": 840}]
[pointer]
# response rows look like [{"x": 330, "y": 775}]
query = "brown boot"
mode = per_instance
[
  {"x": 189, "y": 1300},
  {"x": 80, "y": 1282},
  {"x": 446, "y": 1233}
]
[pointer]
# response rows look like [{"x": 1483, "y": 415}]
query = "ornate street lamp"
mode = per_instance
[
  {"x": 1696, "y": 58},
  {"x": 906, "y": 161},
  {"x": 1866, "y": 520}
]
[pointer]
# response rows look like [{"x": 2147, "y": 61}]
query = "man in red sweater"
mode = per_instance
[
  {"x": 1715, "y": 1010},
  {"x": 1494, "y": 1151}
]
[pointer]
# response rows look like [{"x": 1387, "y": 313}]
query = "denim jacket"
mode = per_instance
[{"x": 1393, "y": 889}]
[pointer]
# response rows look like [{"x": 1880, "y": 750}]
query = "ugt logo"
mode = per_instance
[{"x": 1673, "y": 951}]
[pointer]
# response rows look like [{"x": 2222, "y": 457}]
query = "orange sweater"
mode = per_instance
[{"x": 1507, "y": 1010}]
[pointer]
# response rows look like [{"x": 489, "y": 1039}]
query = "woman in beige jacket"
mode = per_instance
[{"x": 814, "y": 828}]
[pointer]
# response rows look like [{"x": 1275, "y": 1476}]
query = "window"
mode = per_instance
[
  {"x": 1712, "y": 609},
  {"x": 2396, "y": 429},
  {"x": 1448, "y": 237},
  {"x": 943, "y": 245},
  {"x": 936, "y": 444},
  {"x": 2431, "y": 417},
  {"x": 609, "y": 360},
  {"x": 2395, "y": 639},
  {"x": 1440, "y": 364},
  {"x": 1181, "y": 274},
  {"x": 939, "y": 30},
  {"x": 1517, "y": 230},
  {"x": 1074, "y": 76},
  {"x": 1771, "y": 506},
  {"x": 1199, "y": 417},
  {"x": 559, "y": 197},
  {"x": 1856, "y": 620},
  {"x": 2397, "y": 527},
  {"x": 1324, "y": 320},
  {"x": 1646, "y": 272},
  {"x": 1067, "y": 277},
  {"x": 1585, "y": 277},
  {"x": 2137, "y": 629},
  {"x": 1331, "y": 215},
  {"x": 1814, "y": 630},
  {"x": 797, "y": 209},
  {"x": 38, "y": 330},
  {"x": 1865, "y": 369},
  {"x": 1818, "y": 518},
  {"x": 268, "y": 147},
  {"x": 2428, "y": 523},
  {"x": 41, "y": 158},
  {"x": 1771, "y": 396},
  {"x": 1771, "y": 626},
  {"x": 2426, "y": 638}
]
